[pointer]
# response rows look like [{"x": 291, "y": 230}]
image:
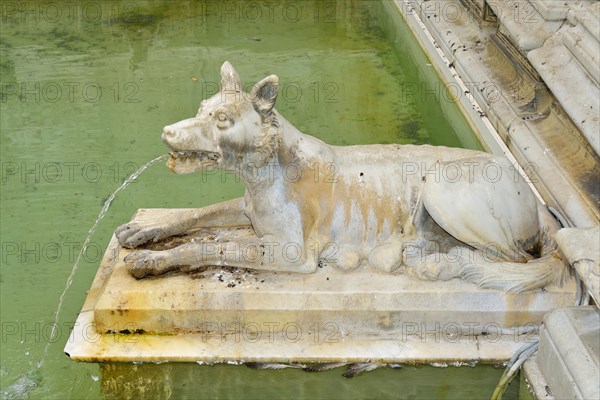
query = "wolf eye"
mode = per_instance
[{"x": 223, "y": 120}]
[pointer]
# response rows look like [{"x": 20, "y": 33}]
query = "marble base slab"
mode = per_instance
[{"x": 221, "y": 315}]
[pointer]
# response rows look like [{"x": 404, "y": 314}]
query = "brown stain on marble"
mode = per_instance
[{"x": 321, "y": 197}]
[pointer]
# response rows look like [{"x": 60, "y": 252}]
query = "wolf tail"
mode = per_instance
[
  {"x": 518, "y": 277},
  {"x": 549, "y": 268}
]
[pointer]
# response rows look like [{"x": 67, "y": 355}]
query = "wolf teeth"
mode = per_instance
[{"x": 199, "y": 155}]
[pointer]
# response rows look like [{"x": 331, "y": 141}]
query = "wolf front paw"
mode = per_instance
[
  {"x": 133, "y": 234},
  {"x": 145, "y": 262}
]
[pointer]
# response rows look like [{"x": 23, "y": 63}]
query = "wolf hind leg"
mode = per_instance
[
  {"x": 438, "y": 265},
  {"x": 486, "y": 271},
  {"x": 497, "y": 215}
]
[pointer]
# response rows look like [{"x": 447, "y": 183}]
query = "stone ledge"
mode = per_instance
[
  {"x": 586, "y": 12},
  {"x": 536, "y": 382},
  {"x": 522, "y": 21},
  {"x": 578, "y": 93},
  {"x": 86, "y": 344},
  {"x": 565, "y": 163},
  {"x": 567, "y": 360},
  {"x": 551, "y": 10}
]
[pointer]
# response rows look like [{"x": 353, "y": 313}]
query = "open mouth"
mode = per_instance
[{"x": 183, "y": 162}]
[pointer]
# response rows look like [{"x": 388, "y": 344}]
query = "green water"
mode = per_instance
[{"x": 87, "y": 87}]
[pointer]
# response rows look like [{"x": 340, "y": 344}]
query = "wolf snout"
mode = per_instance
[
  {"x": 168, "y": 135},
  {"x": 168, "y": 132}
]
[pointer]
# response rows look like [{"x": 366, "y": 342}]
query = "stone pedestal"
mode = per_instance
[
  {"x": 219, "y": 315},
  {"x": 567, "y": 363}
]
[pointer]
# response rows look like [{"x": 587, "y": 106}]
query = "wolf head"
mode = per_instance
[{"x": 231, "y": 130}]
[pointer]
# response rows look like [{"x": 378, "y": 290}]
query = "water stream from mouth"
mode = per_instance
[
  {"x": 30, "y": 380},
  {"x": 101, "y": 215}
]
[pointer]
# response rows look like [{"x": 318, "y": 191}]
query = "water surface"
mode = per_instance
[{"x": 86, "y": 89}]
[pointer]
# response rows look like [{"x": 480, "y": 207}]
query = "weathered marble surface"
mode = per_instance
[
  {"x": 431, "y": 211},
  {"x": 582, "y": 249},
  {"x": 569, "y": 63},
  {"x": 556, "y": 138},
  {"x": 568, "y": 359}
]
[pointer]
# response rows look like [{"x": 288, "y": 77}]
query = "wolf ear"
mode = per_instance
[
  {"x": 264, "y": 94},
  {"x": 230, "y": 80}
]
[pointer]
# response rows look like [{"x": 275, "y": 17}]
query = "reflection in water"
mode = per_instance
[{"x": 192, "y": 381}]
